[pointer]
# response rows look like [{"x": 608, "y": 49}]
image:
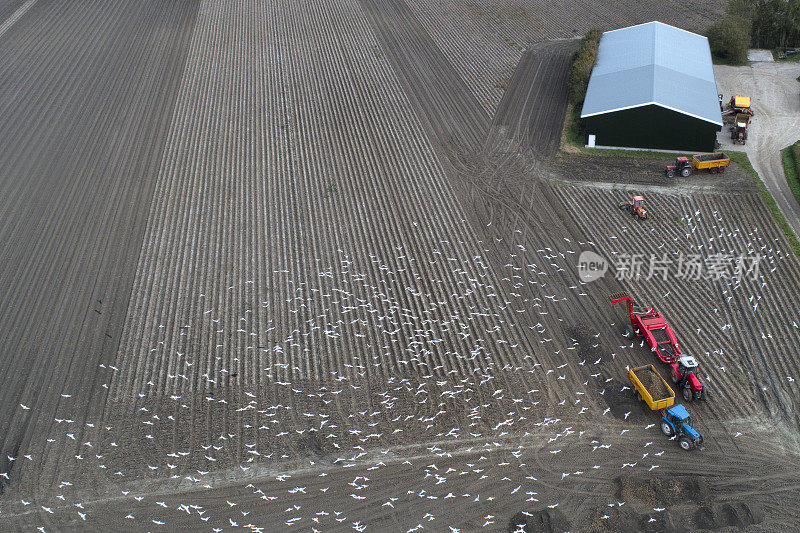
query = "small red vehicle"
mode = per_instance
[
  {"x": 684, "y": 166},
  {"x": 684, "y": 376}
]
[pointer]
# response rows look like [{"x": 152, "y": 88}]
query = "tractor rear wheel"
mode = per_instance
[
  {"x": 685, "y": 443},
  {"x": 666, "y": 429},
  {"x": 686, "y": 171},
  {"x": 687, "y": 394}
]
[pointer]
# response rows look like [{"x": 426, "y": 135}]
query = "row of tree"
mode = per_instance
[
  {"x": 582, "y": 64},
  {"x": 755, "y": 24},
  {"x": 775, "y": 24}
]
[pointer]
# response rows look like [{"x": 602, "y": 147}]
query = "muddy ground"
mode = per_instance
[{"x": 354, "y": 300}]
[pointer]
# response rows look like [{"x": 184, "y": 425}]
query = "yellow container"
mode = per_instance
[
  {"x": 709, "y": 161},
  {"x": 648, "y": 374},
  {"x": 741, "y": 101}
]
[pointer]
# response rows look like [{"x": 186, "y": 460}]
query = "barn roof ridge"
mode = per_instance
[{"x": 653, "y": 63}]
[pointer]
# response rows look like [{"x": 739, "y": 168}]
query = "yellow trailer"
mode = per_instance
[
  {"x": 651, "y": 387},
  {"x": 711, "y": 162}
]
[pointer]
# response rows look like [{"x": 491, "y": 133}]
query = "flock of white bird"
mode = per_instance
[{"x": 425, "y": 371}]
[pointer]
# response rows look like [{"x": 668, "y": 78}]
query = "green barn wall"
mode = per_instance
[{"x": 652, "y": 127}]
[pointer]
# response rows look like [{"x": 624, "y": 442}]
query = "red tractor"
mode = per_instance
[
  {"x": 739, "y": 128},
  {"x": 684, "y": 376},
  {"x": 682, "y": 166}
]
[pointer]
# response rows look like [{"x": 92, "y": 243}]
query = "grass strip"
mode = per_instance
[
  {"x": 791, "y": 168},
  {"x": 741, "y": 159}
]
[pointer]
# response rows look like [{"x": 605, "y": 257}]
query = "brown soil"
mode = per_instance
[
  {"x": 653, "y": 383},
  {"x": 664, "y": 491},
  {"x": 355, "y": 300}
]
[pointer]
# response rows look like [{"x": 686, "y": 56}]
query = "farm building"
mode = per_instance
[{"x": 653, "y": 86}]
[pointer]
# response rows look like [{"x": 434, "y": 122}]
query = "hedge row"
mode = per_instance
[
  {"x": 796, "y": 157},
  {"x": 582, "y": 64}
]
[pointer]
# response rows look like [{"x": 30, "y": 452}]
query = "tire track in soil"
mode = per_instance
[
  {"x": 8, "y": 7},
  {"x": 534, "y": 103},
  {"x": 8, "y": 20}
]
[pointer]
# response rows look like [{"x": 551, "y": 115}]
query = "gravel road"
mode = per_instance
[{"x": 775, "y": 94}]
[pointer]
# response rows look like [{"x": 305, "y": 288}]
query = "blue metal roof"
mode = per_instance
[
  {"x": 653, "y": 64},
  {"x": 678, "y": 411}
]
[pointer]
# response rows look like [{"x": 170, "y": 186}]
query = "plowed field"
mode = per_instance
[{"x": 303, "y": 266}]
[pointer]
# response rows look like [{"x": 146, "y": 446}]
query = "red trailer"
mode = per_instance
[{"x": 650, "y": 324}]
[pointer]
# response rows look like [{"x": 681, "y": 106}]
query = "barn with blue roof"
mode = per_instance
[{"x": 653, "y": 86}]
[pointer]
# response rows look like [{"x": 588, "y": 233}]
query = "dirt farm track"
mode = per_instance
[{"x": 312, "y": 266}]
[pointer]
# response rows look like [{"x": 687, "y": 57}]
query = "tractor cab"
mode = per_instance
[
  {"x": 682, "y": 166},
  {"x": 684, "y": 375},
  {"x": 636, "y": 207},
  {"x": 678, "y": 416},
  {"x": 676, "y": 421},
  {"x": 687, "y": 364}
]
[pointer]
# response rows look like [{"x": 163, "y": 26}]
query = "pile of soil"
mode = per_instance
[
  {"x": 541, "y": 521},
  {"x": 663, "y": 491},
  {"x": 653, "y": 383}
]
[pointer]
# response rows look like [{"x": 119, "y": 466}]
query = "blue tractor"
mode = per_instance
[{"x": 676, "y": 422}]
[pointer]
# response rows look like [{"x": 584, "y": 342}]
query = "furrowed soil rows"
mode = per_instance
[
  {"x": 357, "y": 303},
  {"x": 445, "y": 104},
  {"x": 534, "y": 103},
  {"x": 81, "y": 130},
  {"x": 260, "y": 271},
  {"x": 741, "y": 332}
]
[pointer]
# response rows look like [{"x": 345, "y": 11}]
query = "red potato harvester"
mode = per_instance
[{"x": 650, "y": 324}]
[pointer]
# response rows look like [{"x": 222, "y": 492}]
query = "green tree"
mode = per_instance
[
  {"x": 762, "y": 24},
  {"x": 729, "y": 39},
  {"x": 775, "y": 23},
  {"x": 582, "y": 64}
]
